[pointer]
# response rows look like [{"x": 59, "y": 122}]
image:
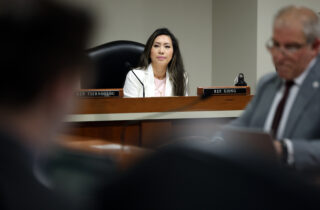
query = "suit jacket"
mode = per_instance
[
  {"x": 303, "y": 125},
  {"x": 133, "y": 88},
  {"x": 18, "y": 186}
]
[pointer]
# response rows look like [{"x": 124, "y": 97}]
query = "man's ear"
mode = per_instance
[
  {"x": 316, "y": 45},
  {"x": 62, "y": 91}
]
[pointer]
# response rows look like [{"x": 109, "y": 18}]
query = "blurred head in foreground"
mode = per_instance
[{"x": 42, "y": 57}]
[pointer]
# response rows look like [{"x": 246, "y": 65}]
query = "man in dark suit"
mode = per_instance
[
  {"x": 41, "y": 60},
  {"x": 287, "y": 103}
]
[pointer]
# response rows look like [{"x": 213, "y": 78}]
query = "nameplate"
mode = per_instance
[
  {"x": 99, "y": 93},
  {"x": 219, "y": 91}
]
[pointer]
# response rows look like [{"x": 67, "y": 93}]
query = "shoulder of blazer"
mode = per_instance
[
  {"x": 316, "y": 68},
  {"x": 141, "y": 73},
  {"x": 267, "y": 79}
]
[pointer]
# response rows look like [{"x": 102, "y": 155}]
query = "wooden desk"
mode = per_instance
[
  {"x": 124, "y": 156},
  {"x": 150, "y": 122}
]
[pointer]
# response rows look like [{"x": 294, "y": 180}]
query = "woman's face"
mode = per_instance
[{"x": 162, "y": 50}]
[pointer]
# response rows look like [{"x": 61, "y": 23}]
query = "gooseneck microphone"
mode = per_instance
[{"x": 140, "y": 82}]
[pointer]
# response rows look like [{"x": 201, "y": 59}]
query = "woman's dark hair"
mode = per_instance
[{"x": 175, "y": 66}]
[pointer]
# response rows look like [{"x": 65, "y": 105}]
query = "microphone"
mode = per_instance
[{"x": 140, "y": 82}]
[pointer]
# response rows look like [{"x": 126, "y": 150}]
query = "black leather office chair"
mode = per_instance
[{"x": 112, "y": 61}]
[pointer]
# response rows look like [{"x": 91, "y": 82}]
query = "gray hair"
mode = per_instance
[{"x": 310, "y": 20}]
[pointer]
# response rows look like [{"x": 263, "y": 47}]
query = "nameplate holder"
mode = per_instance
[
  {"x": 99, "y": 93},
  {"x": 223, "y": 91}
]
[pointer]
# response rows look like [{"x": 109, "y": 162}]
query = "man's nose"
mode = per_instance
[{"x": 280, "y": 56}]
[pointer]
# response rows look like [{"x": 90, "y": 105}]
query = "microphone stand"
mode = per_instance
[{"x": 140, "y": 82}]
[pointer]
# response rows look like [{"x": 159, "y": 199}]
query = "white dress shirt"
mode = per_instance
[{"x": 287, "y": 108}]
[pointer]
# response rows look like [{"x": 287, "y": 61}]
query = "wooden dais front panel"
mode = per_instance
[{"x": 161, "y": 104}]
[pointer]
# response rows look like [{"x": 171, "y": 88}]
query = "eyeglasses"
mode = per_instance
[{"x": 288, "y": 49}]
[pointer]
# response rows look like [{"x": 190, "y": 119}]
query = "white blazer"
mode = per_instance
[{"x": 133, "y": 88}]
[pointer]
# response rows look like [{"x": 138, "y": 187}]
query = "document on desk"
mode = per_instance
[{"x": 108, "y": 146}]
